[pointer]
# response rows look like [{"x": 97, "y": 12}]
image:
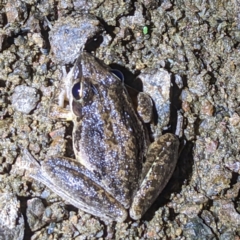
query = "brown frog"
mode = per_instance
[{"x": 117, "y": 170}]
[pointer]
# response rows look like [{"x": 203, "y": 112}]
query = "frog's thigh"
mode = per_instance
[
  {"x": 161, "y": 161},
  {"x": 74, "y": 183}
]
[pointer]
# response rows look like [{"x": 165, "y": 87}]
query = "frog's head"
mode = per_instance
[{"x": 90, "y": 78}]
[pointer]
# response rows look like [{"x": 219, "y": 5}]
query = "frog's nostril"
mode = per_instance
[
  {"x": 118, "y": 74},
  {"x": 76, "y": 91}
]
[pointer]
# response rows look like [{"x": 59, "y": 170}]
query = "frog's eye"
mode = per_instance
[
  {"x": 118, "y": 74},
  {"x": 76, "y": 91}
]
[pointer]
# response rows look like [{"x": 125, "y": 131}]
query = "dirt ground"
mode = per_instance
[{"x": 196, "y": 42}]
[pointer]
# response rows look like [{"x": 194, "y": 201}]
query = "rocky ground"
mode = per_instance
[{"x": 196, "y": 42}]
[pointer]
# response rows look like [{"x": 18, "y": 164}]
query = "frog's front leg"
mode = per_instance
[
  {"x": 160, "y": 163},
  {"x": 76, "y": 184}
]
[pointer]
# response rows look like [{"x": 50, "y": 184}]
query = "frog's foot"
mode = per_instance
[
  {"x": 161, "y": 161},
  {"x": 57, "y": 112},
  {"x": 67, "y": 88},
  {"x": 77, "y": 185},
  {"x": 144, "y": 107},
  {"x": 29, "y": 163}
]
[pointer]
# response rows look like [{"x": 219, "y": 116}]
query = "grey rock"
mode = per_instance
[{"x": 25, "y": 99}]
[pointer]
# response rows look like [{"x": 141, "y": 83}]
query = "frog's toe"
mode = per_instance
[
  {"x": 136, "y": 212},
  {"x": 28, "y": 162},
  {"x": 145, "y": 107}
]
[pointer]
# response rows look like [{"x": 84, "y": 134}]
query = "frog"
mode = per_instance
[{"x": 118, "y": 171}]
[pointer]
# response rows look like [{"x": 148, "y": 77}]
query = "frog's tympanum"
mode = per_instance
[{"x": 117, "y": 171}]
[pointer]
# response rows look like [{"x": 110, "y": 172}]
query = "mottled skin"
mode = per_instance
[{"x": 116, "y": 170}]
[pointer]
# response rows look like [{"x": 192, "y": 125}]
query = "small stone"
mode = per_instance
[
  {"x": 55, "y": 212},
  {"x": 186, "y": 106},
  {"x": 179, "y": 81},
  {"x": 25, "y": 99},
  {"x": 85, "y": 5},
  {"x": 211, "y": 145},
  {"x": 74, "y": 219},
  {"x": 35, "y": 210},
  {"x": 199, "y": 84},
  {"x": 11, "y": 220},
  {"x": 70, "y": 34},
  {"x": 227, "y": 211},
  {"x": 37, "y": 38},
  {"x": 234, "y": 120},
  {"x": 15, "y": 10},
  {"x": 207, "y": 108}
]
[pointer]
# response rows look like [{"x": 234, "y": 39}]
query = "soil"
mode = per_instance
[{"x": 195, "y": 42}]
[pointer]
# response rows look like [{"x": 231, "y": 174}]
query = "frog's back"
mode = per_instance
[{"x": 109, "y": 137}]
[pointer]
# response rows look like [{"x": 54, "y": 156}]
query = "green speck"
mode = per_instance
[{"x": 145, "y": 30}]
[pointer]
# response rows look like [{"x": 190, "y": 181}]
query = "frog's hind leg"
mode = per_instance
[
  {"x": 76, "y": 184},
  {"x": 160, "y": 163}
]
